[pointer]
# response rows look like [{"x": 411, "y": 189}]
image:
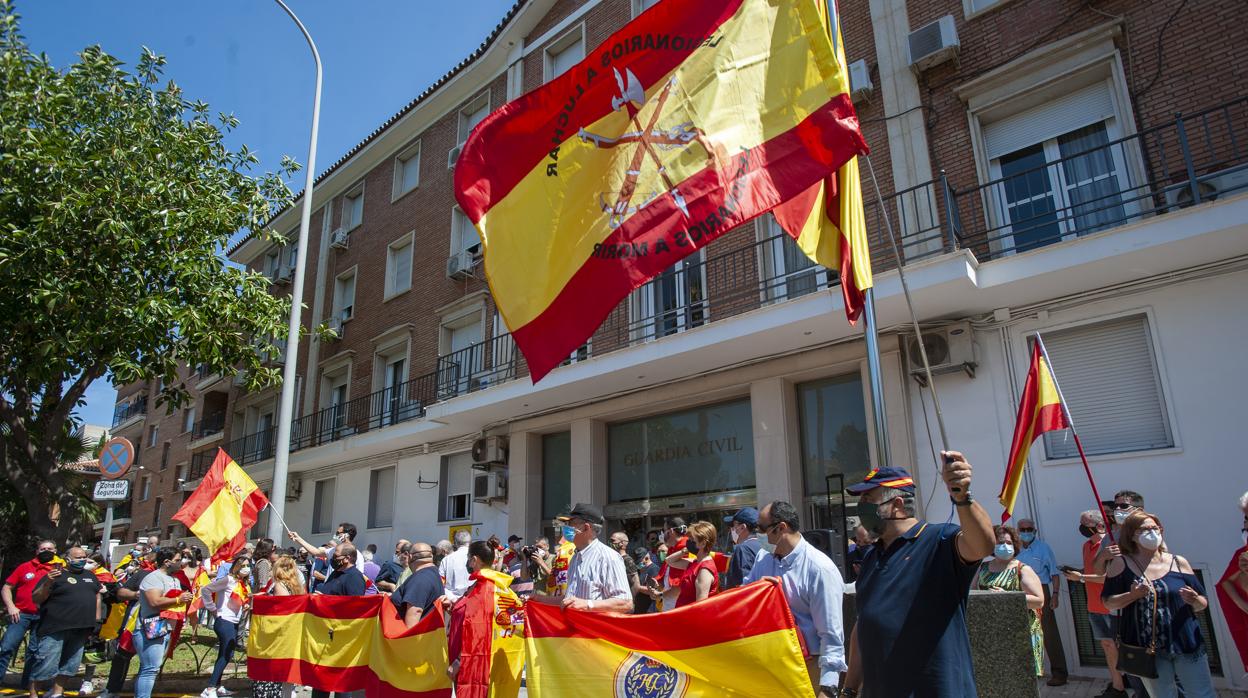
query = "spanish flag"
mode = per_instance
[
  {"x": 742, "y": 642},
  {"x": 223, "y": 508},
  {"x": 694, "y": 118},
  {"x": 347, "y": 643},
  {"x": 1040, "y": 410},
  {"x": 487, "y": 629},
  {"x": 827, "y": 219}
]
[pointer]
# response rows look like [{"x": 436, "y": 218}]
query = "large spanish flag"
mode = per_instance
[
  {"x": 223, "y": 508},
  {"x": 1039, "y": 410},
  {"x": 827, "y": 219},
  {"x": 693, "y": 118},
  {"x": 490, "y": 638},
  {"x": 347, "y": 643},
  {"x": 740, "y": 643}
]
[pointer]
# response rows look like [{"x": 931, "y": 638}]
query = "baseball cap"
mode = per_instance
[
  {"x": 746, "y": 515},
  {"x": 896, "y": 478},
  {"x": 585, "y": 512},
  {"x": 513, "y": 538}
]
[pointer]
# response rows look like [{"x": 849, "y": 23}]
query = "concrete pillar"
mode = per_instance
[
  {"x": 589, "y": 462},
  {"x": 777, "y": 451},
  {"x": 524, "y": 484}
]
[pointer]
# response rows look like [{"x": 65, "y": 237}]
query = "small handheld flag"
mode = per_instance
[
  {"x": 1039, "y": 410},
  {"x": 223, "y": 508}
]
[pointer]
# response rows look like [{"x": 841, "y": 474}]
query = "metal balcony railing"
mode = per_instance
[
  {"x": 1067, "y": 189},
  {"x": 212, "y": 424},
  {"x": 125, "y": 411},
  {"x": 200, "y": 463}
]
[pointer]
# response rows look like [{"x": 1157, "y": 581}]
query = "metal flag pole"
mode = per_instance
[
  {"x": 286, "y": 409},
  {"x": 874, "y": 374},
  {"x": 1078, "y": 445}
]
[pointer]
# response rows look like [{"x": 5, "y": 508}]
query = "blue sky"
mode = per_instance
[{"x": 248, "y": 58}]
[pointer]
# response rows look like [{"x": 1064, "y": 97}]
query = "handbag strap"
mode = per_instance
[{"x": 1152, "y": 597}]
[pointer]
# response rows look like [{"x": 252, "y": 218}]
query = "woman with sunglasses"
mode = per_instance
[{"x": 228, "y": 597}]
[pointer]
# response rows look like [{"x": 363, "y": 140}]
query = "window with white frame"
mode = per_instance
[
  {"x": 1109, "y": 377},
  {"x": 323, "y": 506},
  {"x": 464, "y": 237},
  {"x": 353, "y": 208},
  {"x": 271, "y": 262},
  {"x": 344, "y": 296},
  {"x": 462, "y": 357},
  {"x": 407, "y": 170},
  {"x": 399, "y": 266},
  {"x": 673, "y": 301},
  {"x": 390, "y": 373},
  {"x": 472, "y": 114},
  {"x": 381, "y": 498},
  {"x": 153, "y": 435},
  {"x": 156, "y": 512},
  {"x": 787, "y": 272},
  {"x": 291, "y": 252},
  {"x": 640, "y": 6},
  {"x": 455, "y": 488},
  {"x": 502, "y": 350},
  {"x": 145, "y": 489},
  {"x": 335, "y": 393},
  {"x": 565, "y": 52},
  {"x": 189, "y": 422}
]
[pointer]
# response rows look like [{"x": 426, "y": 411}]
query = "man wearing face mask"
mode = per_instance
[
  {"x": 454, "y": 568},
  {"x": 1104, "y": 625},
  {"x": 417, "y": 595},
  {"x": 346, "y": 579},
  {"x": 913, "y": 588},
  {"x": 1037, "y": 555},
  {"x": 743, "y": 530},
  {"x": 596, "y": 577},
  {"x": 345, "y": 533},
  {"x": 69, "y": 603},
  {"x": 23, "y": 612}
]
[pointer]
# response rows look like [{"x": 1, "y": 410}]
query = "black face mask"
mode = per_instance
[
  {"x": 338, "y": 563},
  {"x": 1086, "y": 531},
  {"x": 692, "y": 546},
  {"x": 45, "y": 556}
]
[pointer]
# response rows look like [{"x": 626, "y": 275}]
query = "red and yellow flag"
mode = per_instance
[
  {"x": 223, "y": 508},
  {"x": 695, "y": 117},
  {"x": 742, "y": 642},
  {"x": 491, "y": 639},
  {"x": 827, "y": 219},
  {"x": 347, "y": 643},
  {"x": 1039, "y": 410}
]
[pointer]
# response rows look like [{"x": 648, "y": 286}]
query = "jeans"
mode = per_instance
[
  {"x": 227, "y": 640},
  {"x": 60, "y": 654},
  {"x": 151, "y": 656},
  {"x": 1191, "y": 669},
  {"x": 13, "y": 634}
]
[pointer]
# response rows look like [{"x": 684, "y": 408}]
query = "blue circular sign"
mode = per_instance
[{"x": 116, "y": 458}]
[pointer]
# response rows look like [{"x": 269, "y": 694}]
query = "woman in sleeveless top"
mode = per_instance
[
  {"x": 701, "y": 579},
  {"x": 1005, "y": 573},
  {"x": 1159, "y": 596},
  {"x": 286, "y": 582}
]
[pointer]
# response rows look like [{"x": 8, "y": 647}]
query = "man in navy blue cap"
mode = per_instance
[
  {"x": 743, "y": 529},
  {"x": 911, "y": 637}
]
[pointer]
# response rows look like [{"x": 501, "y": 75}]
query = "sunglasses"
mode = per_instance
[
  {"x": 1124, "y": 505},
  {"x": 1026, "y": 530}
]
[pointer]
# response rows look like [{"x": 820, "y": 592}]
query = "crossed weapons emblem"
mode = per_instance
[{"x": 648, "y": 141}]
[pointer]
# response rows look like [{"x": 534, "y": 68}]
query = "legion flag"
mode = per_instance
[
  {"x": 1039, "y": 410},
  {"x": 827, "y": 219},
  {"x": 347, "y": 643},
  {"x": 223, "y": 508},
  {"x": 1233, "y": 597},
  {"x": 487, "y": 629},
  {"x": 743, "y": 642},
  {"x": 693, "y": 118}
]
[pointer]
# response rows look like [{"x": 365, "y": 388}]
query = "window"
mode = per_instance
[
  {"x": 407, "y": 170},
  {"x": 640, "y": 6},
  {"x": 156, "y": 512},
  {"x": 833, "y": 423},
  {"x": 464, "y": 237},
  {"x": 189, "y": 422},
  {"x": 381, "y": 498},
  {"x": 323, "y": 506},
  {"x": 972, "y": 8},
  {"x": 463, "y": 359},
  {"x": 471, "y": 115},
  {"x": 1109, "y": 376},
  {"x": 671, "y": 302},
  {"x": 787, "y": 272},
  {"x": 164, "y": 456},
  {"x": 565, "y": 52},
  {"x": 502, "y": 351},
  {"x": 353, "y": 208},
  {"x": 399, "y": 266},
  {"x": 292, "y": 251},
  {"x": 344, "y": 296},
  {"x": 455, "y": 487},
  {"x": 271, "y": 263},
  {"x": 153, "y": 435},
  {"x": 556, "y": 473},
  {"x": 398, "y": 394},
  {"x": 145, "y": 489}
]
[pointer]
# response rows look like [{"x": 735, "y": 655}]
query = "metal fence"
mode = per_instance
[{"x": 126, "y": 410}]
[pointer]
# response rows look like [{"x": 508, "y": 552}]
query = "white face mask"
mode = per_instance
[
  {"x": 91, "y": 565},
  {"x": 1244, "y": 535},
  {"x": 1150, "y": 539},
  {"x": 736, "y": 537},
  {"x": 1120, "y": 516}
]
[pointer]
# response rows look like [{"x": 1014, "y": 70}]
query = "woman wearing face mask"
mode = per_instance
[
  {"x": 701, "y": 579},
  {"x": 228, "y": 597},
  {"x": 1159, "y": 596},
  {"x": 1005, "y": 573},
  {"x": 1233, "y": 589}
]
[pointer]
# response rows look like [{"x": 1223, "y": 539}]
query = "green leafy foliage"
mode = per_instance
[{"x": 117, "y": 198}]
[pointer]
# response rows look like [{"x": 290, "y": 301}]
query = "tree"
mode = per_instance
[{"x": 117, "y": 196}]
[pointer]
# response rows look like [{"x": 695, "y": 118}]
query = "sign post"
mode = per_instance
[{"x": 115, "y": 460}]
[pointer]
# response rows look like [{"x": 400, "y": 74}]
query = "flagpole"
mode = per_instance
[
  {"x": 882, "y": 450},
  {"x": 1078, "y": 444}
]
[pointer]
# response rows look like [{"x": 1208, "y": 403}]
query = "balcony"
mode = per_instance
[
  {"x": 209, "y": 426},
  {"x": 126, "y": 413},
  {"x": 1156, "y": 172}
]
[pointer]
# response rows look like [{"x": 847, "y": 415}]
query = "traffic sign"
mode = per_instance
[
  {"x": 116, "y": 458},
  {"x": 111, "y": 490}
]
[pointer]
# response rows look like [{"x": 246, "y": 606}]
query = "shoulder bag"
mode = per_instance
[{"x": 1134, "y": 659}]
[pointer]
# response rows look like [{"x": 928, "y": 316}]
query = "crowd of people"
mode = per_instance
[{"x": 911, "y": 577}]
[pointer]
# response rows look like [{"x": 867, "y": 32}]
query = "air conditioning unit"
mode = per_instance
[
  {"x": 489, "y": 450},
  {"x": 339, "y": 239},
  {"x": 294, "y": 489},
  {"x": 949, "y": 350},
  {"x": 1211, "y": 186},
  {"x": 489, "y": 486},
  {"x": 452, "y": 156},
  {"x": 460, "y": 264},
  {"x": 860, "y": 86},
  {"x": 284, "y": 274},
  {"x": 933, "y": 44}
]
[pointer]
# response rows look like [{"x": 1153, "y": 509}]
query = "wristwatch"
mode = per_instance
[
  {"x": 843, "y": 692},
  {"x": 964, "y": 503}
]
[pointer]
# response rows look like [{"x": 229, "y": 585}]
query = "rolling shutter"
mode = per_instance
[{"x": 1051, "y": 119}]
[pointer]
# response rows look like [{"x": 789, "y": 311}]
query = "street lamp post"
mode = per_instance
[{"x": 286, "y": 408}]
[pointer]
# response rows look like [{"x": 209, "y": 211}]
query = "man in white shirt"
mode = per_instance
[
  {"x": 596, "y": 578},
  {"x": 454, "y": 568}
]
